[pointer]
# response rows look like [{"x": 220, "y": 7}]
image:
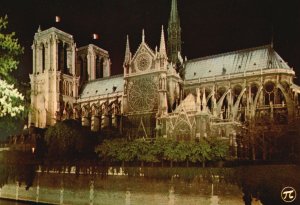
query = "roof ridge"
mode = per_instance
[
  {"x": 93, "y": 45},
  {"x": 230, "y": 52},
  {"x": 105, "y": 78},
  {"x": 54, "y": 29}
]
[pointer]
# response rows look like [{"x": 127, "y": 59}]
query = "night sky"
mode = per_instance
[{"x": 208, "y": 27}]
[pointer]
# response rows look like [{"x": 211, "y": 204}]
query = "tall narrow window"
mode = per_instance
[
  {"x": 43, "y": 58},
  {"x": 71, "y": 89},
  {"x": 269, "y": 92},
  {"x": 61, "y": 56},
  {"x": 79, "y": 65},
  {"x": 84, "y": 70},
  {"x": 65, "y": 56},
  {"x": 67, "y": 88},
  {"x": 81, "y": 69},
  {"x": 99, "y": 67}
]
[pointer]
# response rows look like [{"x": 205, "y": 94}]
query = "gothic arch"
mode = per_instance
[
  {"x": 67, "y": 88},
  {"x": 62, "y": 57},
  {"x": 260, "y": 89},
  {"x": 79, "y": 66},
  {"x": 289, "y": 102},
  {"x": 81, "y": 70},
  {"x": 77, "y": 112},
  {"x": 183, "y": 128},
  {"x": 43, "y": 53},
  {"x": 236, "y": 91},
  {"x": 254, "y": 88},
  {"x": 223, "y": 103},
  {"x": 68, "y": 111},
  {"x": 238, "y": 102},
  {"x": 95, "y": 110},
  {"x": 99, "y": 67},
  {"x": 269, "y": 92},
  {"x": 86, "y": 110}
]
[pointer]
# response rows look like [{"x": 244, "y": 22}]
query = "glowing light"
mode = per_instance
[
  {"x": 57, "y": 19},
  {"x": 33, "y": 149},
  {"x": 95, "y": 36}
]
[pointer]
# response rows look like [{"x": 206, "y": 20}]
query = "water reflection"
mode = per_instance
[
  {"x": 127, "y": 198},
  {"x": 171, "y": 196},
  {"x": 255, "y": 185},
  {"x": 214, "y": 200},
  {"x": 92, "y": 192}
]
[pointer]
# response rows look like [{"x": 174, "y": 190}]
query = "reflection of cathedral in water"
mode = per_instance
[{"x": 159, "y": 92}]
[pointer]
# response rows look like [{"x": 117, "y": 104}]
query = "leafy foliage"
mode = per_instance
[
  {"x": 69, "y": 141},
  {"x": 200, "y": 152},
  {"x": 10, "y": 49},
  {"x": 10, "y": 98},
  {"x": 121, "y": 150},
  {"x": 219, "y": 148}
]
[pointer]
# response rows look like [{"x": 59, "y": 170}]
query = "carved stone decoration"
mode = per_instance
[
  {"x": 182, "y": 131},
  {"x": 143, "y": 94},
  {"x": 76, "y": 112},
  {"x": 143, "y": 61}
]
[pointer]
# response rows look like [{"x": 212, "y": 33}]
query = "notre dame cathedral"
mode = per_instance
[{"x": 231, "y": 95}]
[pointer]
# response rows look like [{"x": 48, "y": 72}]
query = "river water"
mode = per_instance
[
  {"x": 6, "y": 202},
  {"x": 245, "y": 185},
  {"x": 119, "y": 190}
]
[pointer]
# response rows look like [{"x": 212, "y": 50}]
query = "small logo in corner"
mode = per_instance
[{"x": 288, "y": 194}]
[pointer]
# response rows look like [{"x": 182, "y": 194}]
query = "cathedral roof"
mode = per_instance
[
  {"x": 258, "y": 58},
  {"x": 103, "y": 86}
]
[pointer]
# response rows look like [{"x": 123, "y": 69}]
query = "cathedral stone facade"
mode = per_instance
[{"x": 230, "y": 95}]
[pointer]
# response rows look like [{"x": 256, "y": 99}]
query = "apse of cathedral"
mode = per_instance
[{"x": 160, "y": 93}]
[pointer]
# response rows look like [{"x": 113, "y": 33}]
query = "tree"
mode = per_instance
[
  {"x": 119, "y": 150},
  {"x": 68, "y": 141},
  {"x": 170, "y": 152},
  {"x": 200, "y": 152},
  {"x": 126, "y": 152},
  {"x": 11, "y": 100},
  {"x": 219, "y": 148},
  {"x": 182, "y": 152},
  {"x": 10, "y": 49},
  {"x": 158, "y": 149},
  {"x": 145, "y": 151}
]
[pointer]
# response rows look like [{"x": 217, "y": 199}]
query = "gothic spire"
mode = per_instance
[
  {"x": 127, "y": 51},
  {"x": 174, "y": 12},
  {"x": 174, "y": 34},
  {"x": 162, "y": 46}
]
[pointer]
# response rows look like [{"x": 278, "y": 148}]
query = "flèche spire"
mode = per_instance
[{"x": 174, "y": 34}]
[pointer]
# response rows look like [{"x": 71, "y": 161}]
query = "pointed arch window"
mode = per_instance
[
  {"x": 62, "y": 57},
  {"x": 99, "y": 67},
  {"x": 81, "y": 70}
]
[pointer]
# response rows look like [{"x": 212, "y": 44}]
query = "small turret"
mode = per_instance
[
  {"x": 127, "y": 52},
  {"x": 162, "y": 46}
]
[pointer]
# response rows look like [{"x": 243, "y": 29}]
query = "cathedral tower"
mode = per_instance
[
  {"x": 54, "y": 84},
  {"x": 174, "y": 34}
]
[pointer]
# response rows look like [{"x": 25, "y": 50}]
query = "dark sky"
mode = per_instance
[{"x": 208, "y": 27}]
